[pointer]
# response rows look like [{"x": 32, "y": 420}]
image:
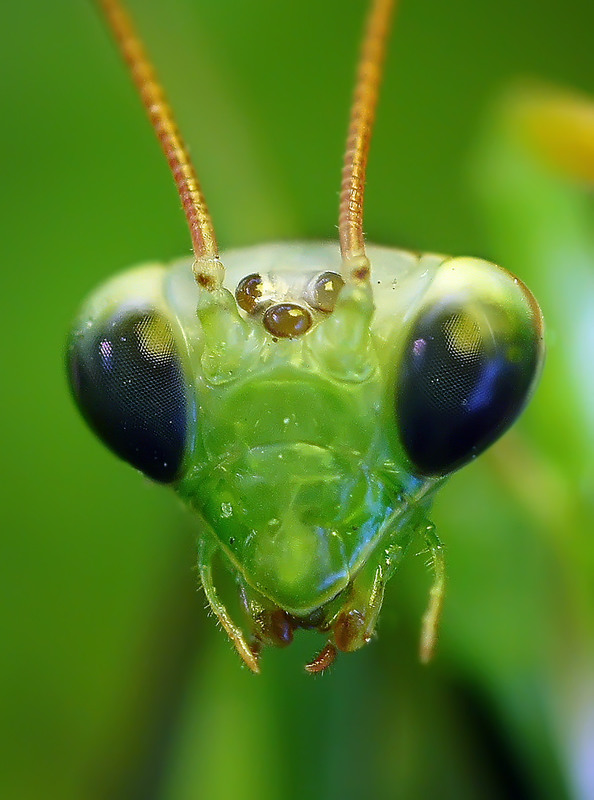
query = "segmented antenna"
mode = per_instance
[
  {"x": 208, "y": 269},
  {"x": 369, "y": 75}
]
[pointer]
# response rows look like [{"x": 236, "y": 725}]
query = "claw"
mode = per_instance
[
  {"x": 430, "y": 625},
  {"x": 323, "y": 660},
  {"x": 250, "y": 655}
]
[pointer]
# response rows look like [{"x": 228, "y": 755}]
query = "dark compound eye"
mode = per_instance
[
  {"x": 128, "y": 381},
  {"x": 464, "y": 378}
]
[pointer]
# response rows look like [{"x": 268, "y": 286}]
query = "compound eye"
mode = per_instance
[
  {"x": 127, "y": 378},
  {"x": 466, "y": 373}
]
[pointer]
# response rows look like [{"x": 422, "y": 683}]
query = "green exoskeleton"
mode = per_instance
[{"x": 305, "y": 400}]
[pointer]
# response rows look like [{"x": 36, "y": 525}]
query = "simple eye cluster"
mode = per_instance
[
  {"x": 286, "y": 319},
  {"x": 467, "y": 368},
  {"x": 128, "y": 381}
]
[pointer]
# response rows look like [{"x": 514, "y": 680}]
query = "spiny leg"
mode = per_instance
[
  {"x": 355, "y": 624},
  {"x": 431, "y": 617},
  {"x": 206, "y": 552}
]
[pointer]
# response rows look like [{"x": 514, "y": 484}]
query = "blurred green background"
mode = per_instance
[{"x": 114, "y": 683}]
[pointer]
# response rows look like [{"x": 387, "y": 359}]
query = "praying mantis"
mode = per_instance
[{"x": 306, "y": 400}]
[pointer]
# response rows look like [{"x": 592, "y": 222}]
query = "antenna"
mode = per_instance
[
  {"x": 369, "y": 75},
  {"x": 208, "y": 269}
]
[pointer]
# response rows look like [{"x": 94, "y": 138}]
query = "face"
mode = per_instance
[{"x": 306, "y": 413}]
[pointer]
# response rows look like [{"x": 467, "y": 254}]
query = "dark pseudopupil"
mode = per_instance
[
  {"x": 128, "y": 381},
  {"x": 460, "y": 386}
]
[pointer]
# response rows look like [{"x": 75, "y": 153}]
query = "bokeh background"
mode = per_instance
[{"x": 114, "y": 683}]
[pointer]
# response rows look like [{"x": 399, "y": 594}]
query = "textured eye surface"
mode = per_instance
[
  {"x": 466, "y": 374},
  {"x": 128, "y": 381}
]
